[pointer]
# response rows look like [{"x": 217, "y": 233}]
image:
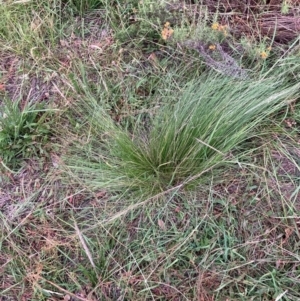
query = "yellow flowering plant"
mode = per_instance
[
  {"x": 220, "y": 28},
  {"x": 167, "y": 31},
  {"x": 265, "y": 52}
]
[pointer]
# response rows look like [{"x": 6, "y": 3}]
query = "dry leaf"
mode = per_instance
[
  {"x": 161, "y": 225},
  {"x": 177, "y": 209},
  {"x": 64, "y": 43},
  {"x": 288, "y": 233}
]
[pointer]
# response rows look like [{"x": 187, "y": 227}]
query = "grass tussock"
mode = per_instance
[{"x": 211, "y": 117}]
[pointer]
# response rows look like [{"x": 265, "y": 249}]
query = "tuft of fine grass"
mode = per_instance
[{"x": 213, "y": 115}]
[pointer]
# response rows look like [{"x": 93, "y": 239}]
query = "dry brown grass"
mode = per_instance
[{"x": 256, "y": 19}]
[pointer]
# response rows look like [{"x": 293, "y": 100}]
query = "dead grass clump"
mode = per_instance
[
  {"x": 274, "y": 20},
  {"x": 283, "y": 28}
]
